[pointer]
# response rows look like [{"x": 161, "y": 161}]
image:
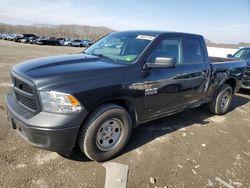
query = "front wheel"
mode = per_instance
[
  {"x": 105, "y": 133},
  {"x": 222, "y": 101}
]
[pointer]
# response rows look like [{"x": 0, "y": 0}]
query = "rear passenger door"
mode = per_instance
[{"x": 197, "y": 68}]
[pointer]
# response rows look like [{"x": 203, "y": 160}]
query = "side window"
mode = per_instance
[
  {"x": 239, "y": 54},
  {"x": 168, "y": 47},
  {"x": 193, "y": 51},
  {"x": 247, "y": 55}
]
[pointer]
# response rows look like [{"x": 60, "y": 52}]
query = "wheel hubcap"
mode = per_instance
[
  {"x": 225, "y": 99},
  {"x": 109, "y": 134}
]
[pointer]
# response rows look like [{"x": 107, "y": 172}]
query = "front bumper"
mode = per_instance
[
  {"x": 245, "y": 85},
  {"x": 246, "y": 79},
  {"x": 51, "y": 131}
]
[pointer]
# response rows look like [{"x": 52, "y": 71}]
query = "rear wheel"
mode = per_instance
[
  {"x": 222, "y": 101},
  {"x": 105, "y": 133}
]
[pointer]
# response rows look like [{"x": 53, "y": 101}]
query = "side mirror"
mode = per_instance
[
  {"x": 229, "y": 55},
  {"x": 162, "y": 62}
]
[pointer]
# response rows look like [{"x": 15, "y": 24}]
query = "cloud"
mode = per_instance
[{"x": 125, "y": 15}]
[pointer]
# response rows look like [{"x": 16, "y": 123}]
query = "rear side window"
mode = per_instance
[{"x": 193, "y": 51}]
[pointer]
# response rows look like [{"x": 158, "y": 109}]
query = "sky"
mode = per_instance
[{"x": 221, "y": 21}]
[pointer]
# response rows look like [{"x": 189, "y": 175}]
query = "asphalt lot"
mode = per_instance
[{"x": 190, "y": 149}]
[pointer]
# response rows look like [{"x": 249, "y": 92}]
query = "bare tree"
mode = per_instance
[{"x": 66, "y": 31}]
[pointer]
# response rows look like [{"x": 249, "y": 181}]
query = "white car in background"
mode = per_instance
[
  {"x": 78, "y": 43},
  {"x": 67, "y": 42}
]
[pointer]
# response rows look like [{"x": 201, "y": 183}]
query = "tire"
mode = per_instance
[
  {"x": 81, "y": 45},
  {"x": 222, "y": 101},
  {"x": 105, "y": 133}
]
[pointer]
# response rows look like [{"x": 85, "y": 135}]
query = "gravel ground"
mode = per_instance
[{"x": 190, "y": 149}]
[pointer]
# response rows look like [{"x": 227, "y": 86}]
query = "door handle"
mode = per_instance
[{"x": 181, "y": 75}]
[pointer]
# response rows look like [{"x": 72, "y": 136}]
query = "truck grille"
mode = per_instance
[
  {"x": 30, "y": 103},
  {"x": 25, "y": 94},
  {"x": 22, "y": 85}
]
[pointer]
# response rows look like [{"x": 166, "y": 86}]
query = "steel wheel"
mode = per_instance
[
  {"x": 225, "y": 99},
  {"x": 221, "y": 102},
  {"x": 109, "y": 134},
  {"x": 105, "y": 133}
]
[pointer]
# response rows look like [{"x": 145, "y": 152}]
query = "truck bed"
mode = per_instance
[
  {"x": 232, "y": 66},
  {"x": 219, "y": 59}
]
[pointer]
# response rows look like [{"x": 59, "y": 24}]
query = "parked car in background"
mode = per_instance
[
  {"x": 78, "y": 43},
  {"x": 11, "y": 37},
  {"x": 48, "y": 41},
  {"x": 243, "y": 54},
  {"x": 61, "y": 40},
  {"x": 67, "y": 42},
  {"x": 24, "y": 40},
  {"x": 91, "y": 43},
  {"x": 87, "y": 43},
  {"x": 28, "y": 39},
  {"x": 32, "y": 40},
  {"x": 19, "y": 37},
  {"x": 7, "y": 36},
  {"x": 4, "y": 37}
]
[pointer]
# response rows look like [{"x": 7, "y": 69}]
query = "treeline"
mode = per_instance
[
  {"x": 65, "y": 31},
  {"x": 221, "y": 45},
  {"x": 79, "y": 32}
]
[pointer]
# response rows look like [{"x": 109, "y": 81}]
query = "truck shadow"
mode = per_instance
[
  {"x": 245, "y": 91},
  {"x": 152, "y": 130},
  {"x": 199, "y": 116}
]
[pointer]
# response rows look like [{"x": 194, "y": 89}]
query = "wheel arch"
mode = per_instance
[
  {"x": 125, "y": 103},
  {"x": 232, "y": 82}
]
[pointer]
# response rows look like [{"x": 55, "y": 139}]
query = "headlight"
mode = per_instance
[{"x": 53, "y": 101}]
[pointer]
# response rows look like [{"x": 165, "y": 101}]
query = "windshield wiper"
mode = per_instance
[{"x": 106, "y": 57}]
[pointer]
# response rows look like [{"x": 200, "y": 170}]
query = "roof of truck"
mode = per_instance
[
  {"x": 245, "y": 47},
  {"x": 155, "y": 32}
]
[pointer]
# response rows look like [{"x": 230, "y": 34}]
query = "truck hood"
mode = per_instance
[{"x": 53, "y": 72}]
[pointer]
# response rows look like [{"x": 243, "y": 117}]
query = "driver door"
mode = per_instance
[{"x": 165, "y": 88}]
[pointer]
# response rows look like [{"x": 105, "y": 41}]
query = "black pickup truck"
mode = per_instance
[{"x": 95, "y": 98}]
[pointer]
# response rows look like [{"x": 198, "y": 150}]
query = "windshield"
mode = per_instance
[{"x": 125, "y": 47}]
